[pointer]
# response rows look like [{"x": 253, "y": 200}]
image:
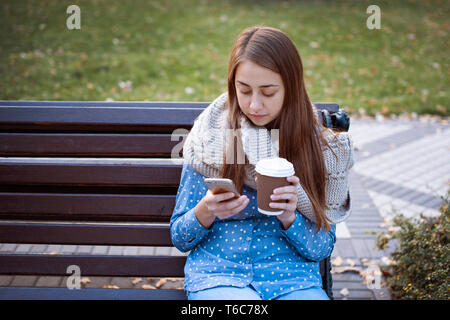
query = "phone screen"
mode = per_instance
[{"x": 221, "y": 186}]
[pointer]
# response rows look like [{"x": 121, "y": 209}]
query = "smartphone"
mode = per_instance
[{"x": 221, "y": 185}]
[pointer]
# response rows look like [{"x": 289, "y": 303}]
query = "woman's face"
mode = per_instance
[{"x": 260, "y": 92}]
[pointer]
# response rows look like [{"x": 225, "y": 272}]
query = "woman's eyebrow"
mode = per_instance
[{"x": 263, "y": 86}]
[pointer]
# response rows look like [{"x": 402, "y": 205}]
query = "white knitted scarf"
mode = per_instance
[{"x": 206, "y": 144}]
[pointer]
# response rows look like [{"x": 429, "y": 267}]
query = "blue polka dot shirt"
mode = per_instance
[{"x": 249, "y": 248}]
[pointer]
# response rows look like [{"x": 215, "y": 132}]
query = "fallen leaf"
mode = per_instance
[
  {"x": 189, "y": 90},
  {"x": 350, "y": 262},
  {"x": 372, "y": 271},
  {"x": 411, "y": 89},
  {"x": 136, "y": 280},
  {"x": 440, "y": 108},
  {"x": 344, "y": 292},
  {"x": 386, "y": 272},
  {"x": 161, "y": 282},
  {"x": 110, "y": 287},
  {"x": 85, "y": 280},
  {"x": 148, "y": 286},
  {"x": 367, "y": 262},
  {"x": 384, "y": 110},
  {"x": 345, "y": 269},
  {"x": 337, "y": 261},
  {"x": 387, "y": 261}
]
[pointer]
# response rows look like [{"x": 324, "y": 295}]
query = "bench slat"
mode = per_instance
[
  {"x": 98, "y": 265},
  {"x": 88, "y": 174},
  {"x": 76, "y": 144},
  {"x": 116, "y": 104},
  {"x": 146, "y": 119},
  {"x": 103, "y": 117},
  {"x": 330, "y": 106},
  {"x": 37, "y": 293},
  {"x": 85, "y": 234},
  {"x": 89, "y": 207},
  {"x": 97, "y": 116}
]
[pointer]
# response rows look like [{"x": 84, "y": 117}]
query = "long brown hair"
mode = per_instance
[{"x": 300, "y": 134}]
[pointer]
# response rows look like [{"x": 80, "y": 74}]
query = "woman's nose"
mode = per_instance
[{"x": 256, "y": 104}]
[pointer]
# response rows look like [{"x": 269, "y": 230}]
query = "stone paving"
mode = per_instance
[{"x": 400, "y": 166}]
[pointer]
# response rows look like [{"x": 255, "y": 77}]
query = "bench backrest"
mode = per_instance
[{"x": 92, "y": 173}]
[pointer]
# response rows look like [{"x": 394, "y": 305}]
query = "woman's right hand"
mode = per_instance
[{"x": 220, "y": 205}]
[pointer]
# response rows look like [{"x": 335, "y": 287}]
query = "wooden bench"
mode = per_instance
[{"x": 93, "y": 173}]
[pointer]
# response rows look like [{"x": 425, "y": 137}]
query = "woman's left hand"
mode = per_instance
[{"x": 288, "y": 193}]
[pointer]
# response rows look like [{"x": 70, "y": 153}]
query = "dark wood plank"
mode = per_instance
[
  {"x": 37, "y": 293},
  {"x": 89, "y": 207},
  {"x": 78, "y": 144},
  {"x": 84, "y": 118},
  {"x": 85, "y": 234},
  {"x": 106, "y": 104},
  {"x": 156, "y": 117},
  {"x": 120, "y": 172},
  {"x": 330, "y": 106},
  {"x": 120, "y": 266}
]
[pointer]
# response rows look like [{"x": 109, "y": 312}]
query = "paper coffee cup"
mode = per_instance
[{"x": 271, "y": 174}]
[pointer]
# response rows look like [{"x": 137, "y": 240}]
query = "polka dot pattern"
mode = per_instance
[{"x": 248, "y": 248}]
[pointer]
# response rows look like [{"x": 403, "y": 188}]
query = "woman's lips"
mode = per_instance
[{"x": 257, "y": 116}]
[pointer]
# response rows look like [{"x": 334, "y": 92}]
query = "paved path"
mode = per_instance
[{"x": 400, "y": 166}]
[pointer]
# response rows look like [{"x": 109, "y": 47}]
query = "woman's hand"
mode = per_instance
[
  {"x": 288, "y": 193},
  {"x": 220, "y": 206}
]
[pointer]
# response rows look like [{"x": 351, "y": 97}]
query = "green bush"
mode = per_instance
[{"x": 421, "y": 260}]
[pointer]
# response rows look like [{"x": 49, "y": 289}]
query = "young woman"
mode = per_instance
[{"x": 235, "y": 251}]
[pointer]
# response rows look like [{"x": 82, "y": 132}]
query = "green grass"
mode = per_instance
[{"x": 164, "y": 47}]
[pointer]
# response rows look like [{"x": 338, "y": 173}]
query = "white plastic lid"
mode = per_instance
[{"x": 275, "y": 167}]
